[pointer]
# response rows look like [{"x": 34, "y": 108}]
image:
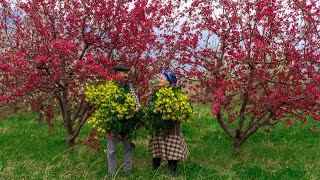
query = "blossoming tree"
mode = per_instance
[
  {"x": 50, "y": 48},
  {"x": 256, "y": 61}
]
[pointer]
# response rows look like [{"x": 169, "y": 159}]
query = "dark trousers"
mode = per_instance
[{"x": 172, "y": 164}]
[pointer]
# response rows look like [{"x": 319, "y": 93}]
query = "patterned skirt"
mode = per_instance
[{"x": 172, "y": 147}]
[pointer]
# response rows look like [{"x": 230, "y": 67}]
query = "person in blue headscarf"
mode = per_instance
[
  {"x": 168, "y": 76},
  {"x": 172, "y": 146}
]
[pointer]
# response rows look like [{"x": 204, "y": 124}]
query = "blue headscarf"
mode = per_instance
[{"x": 169, "y": 76}]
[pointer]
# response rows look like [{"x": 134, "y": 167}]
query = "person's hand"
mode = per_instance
[
  {"x": 156, "y": 110},
  {"x": 136, "y": 110}
]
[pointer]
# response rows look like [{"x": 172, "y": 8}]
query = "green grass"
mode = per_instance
[{"x": 28, "y": 151}]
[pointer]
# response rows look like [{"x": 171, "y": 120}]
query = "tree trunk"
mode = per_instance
[
  {"x": 73, "y": 124},
  {"x": 67, "y": 122},
  {"x": 237, "y": 145},
  {"x": 70, "y": 132},
  {"x": 70, "y": 141},
  {"x": 40, "y": 118}
]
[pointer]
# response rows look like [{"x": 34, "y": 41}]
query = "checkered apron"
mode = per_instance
[{"x": 171, "y": 147}]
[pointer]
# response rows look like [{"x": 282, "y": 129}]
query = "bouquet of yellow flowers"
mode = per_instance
[
  {"x": 167, "y": 105},
  {"x": 114, "y": 108}
]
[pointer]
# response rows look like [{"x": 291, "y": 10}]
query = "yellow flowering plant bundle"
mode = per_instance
[
  {"x": 167, "y": 105},
  {"x": 114, "y": 108}
]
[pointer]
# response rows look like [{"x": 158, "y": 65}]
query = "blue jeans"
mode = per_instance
[{"x": 112, "y": 151}]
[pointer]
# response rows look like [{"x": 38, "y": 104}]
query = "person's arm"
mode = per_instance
[
  {"x": 132, "y": 91},
  {"x": 135, "y": 98}
]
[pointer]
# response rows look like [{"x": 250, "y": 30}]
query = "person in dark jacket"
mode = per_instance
[{"x": 114, "y": 137}]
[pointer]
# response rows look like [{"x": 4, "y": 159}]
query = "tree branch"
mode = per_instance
[
  {"x": 245, "y": 100},
  {"x": 81, "y": 123},
  {"x": 224, "y": 126},
  {"x": 80, "y": 106}
]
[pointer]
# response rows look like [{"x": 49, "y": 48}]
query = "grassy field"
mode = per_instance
[{"x": 28, "y": 151}]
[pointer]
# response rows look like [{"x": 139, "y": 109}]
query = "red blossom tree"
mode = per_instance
[
  {"x": 256, "y": 61},
  {"x": 51, "y": 48}
]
